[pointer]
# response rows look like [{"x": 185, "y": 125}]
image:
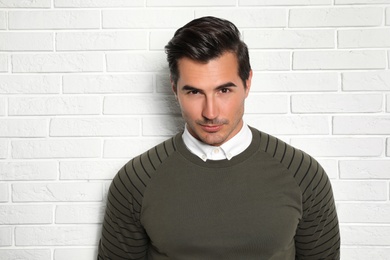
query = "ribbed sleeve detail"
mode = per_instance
[
  {"x": 317, "y": 235},
  {"x": 123, "y": 236}
]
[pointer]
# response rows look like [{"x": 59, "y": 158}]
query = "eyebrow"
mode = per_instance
[{"x": 225, "y": 85}]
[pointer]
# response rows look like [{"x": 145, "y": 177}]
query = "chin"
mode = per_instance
[{"x": 213, "y": 141}]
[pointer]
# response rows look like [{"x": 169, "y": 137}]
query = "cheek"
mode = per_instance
[
  {"x": 188, "y": 110},
  {"x": 232, "y": 107}
]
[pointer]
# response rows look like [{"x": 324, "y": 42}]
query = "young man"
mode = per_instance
[{"x": 220, "y": 190}]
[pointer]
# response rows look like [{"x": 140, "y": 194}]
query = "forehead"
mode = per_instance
[{"x": 224, "y": 67}]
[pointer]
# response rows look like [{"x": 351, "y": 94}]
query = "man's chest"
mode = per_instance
[{"x": 214, "y": 217}]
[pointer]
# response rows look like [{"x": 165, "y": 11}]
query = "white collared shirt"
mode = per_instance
[{"x": 236, "y": 145}]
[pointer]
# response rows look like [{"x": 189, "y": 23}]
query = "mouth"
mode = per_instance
[{"x": 211, "y": 128}]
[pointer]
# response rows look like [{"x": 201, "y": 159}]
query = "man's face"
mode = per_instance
[{"x": 211, "y": 97}]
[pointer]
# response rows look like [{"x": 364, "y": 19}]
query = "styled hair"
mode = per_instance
[{"x": 204, "y": 39}]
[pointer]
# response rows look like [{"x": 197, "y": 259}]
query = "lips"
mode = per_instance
[{"x": 211, "y": 128}]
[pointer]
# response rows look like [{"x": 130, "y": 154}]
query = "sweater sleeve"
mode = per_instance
[
  {"x": 122, "y": 237},
  {"x": 317, "y": 235}
]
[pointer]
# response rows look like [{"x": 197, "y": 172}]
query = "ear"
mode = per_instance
[{"x": 248, "y": 82}]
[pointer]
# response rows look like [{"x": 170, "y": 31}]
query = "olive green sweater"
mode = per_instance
[{"x": 270, "y": 202}]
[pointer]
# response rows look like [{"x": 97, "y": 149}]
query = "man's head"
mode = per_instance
[
  {"x": 211, "y": 78},
  {"x": 205, "y": 39}
]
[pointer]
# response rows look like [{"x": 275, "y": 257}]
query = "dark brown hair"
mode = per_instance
[{"x": 204, "y": 39}]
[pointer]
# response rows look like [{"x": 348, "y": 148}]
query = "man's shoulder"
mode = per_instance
[
  {"x": 137, "y": 172},
  {"x": 150, "y": 160},
  {"x": 277, "y": 148},
  {"x": 300, "y": 164}
]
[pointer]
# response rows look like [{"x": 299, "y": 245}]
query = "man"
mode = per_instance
[{"x": 221, "y": 189}]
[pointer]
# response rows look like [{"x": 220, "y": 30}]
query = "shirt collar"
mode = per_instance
[{"x": 236, "y": 145}]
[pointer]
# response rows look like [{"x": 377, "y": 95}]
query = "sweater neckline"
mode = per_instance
[{"x": 245, "y": 155}]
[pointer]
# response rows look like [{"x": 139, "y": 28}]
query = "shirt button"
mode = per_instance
[
  {"x": 216, "y": 150},
  {"x": 204, "y": 157}
]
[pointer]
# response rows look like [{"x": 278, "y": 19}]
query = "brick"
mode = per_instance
[
  {"x": 361, "y": 125},
  {"x": 337, "y": 103},
  {"x": 57, "y": 62},
  {"x": 264, "y": 104},
  {"x": 182, "y": 3},
  {"x": 330, "y": 166},
  {"x": 43, "y": 20},
  {"x": 30, "y": 254},
  {"x": 23, "y": 127},
  {"x": 56, "y": 148},
  {"x": 128, "y": 148},
  {"x": 163, "y": 83},
  {"x": 387, "y": 16},
  {"x": 289, "y": 39},
  {"x": 11, "y": 41},
  {"x": 25, "y": 4},
  {"x": 3, "y": 20},
  {"x": 56, "y": 192},
  {"x": 146, "y": 18},
  {"x": 26, "y": 214},
  {"x": 364, "y": 253},
  {"x": 284, "y": 2},
  {"x": 388, "y": 147},
  {"x": 137, "y": 62},
  {"x": 336, "y": 17},
  {"x": 5, "y": 236},
  {"x": 340, "y": 147},
  {"x": 364, "y": 38},
  {"x": 98, "y": 3},
  {"x": 90, "y": 170},
  {"x": 4, "y": 192},
  {"x": 290, "y": 125},
  {"x": 388, "y": 53},
  {"x": 121, "y": 40},
  {"x": 57, "y": 235},
  {"x": 338, "y": 60},
  {"x": 364, "y": 169},
  {"x": 344, "y": 2},
  {"x": 3, "y": 148},
  {"x": 29, "y": 84},
  {"x": 158, "y": 39},
  {"x": 79, "y": 214},
  {"x": 94, "y": 127},
  {"x": 108, "y": 83},
  {"x": 3, "y": 103},
  {"x": 140, "y": 105},
  {"x": 293, "y": 82},
  {"x": 3, "y": 63},
  {"x": 365, "y": 235},
  {"x": 244, "y": 18},
  {"x": 270, "y": 61},
  {"x": 359, "y": 190},
  {"x": 55, "y": 105},
  {"x": 75, "y": 253},
  {"x": 43, "y": 170},
  {"x": 364, "y": 213},
  {"x": 162, "y": 126},
  {"x": 366, "y": 81},
  {"x": 388, "y": 103}
]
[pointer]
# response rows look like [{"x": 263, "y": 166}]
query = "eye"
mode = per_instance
[
  {"x": 193, "y": 92},
  {"x": 225, "y": 90}
]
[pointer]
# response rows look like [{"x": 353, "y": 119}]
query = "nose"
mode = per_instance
[{"x": 210, "y": 108}]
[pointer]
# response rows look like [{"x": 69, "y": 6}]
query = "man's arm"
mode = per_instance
[
  {"x": 317, "y": 236},
  {"x": 122, "y": 235}
]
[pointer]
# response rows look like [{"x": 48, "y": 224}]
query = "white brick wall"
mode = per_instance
[{"x": 84, "y": 87}]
